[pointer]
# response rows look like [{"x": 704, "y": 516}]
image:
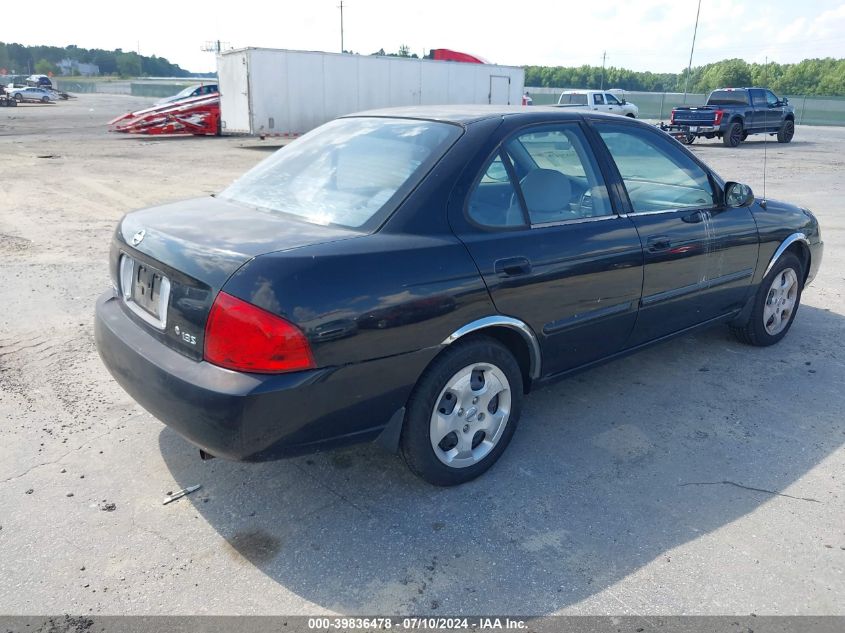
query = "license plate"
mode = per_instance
[
  {"x": 693, "y": 128},
  {"x": 145, "y": 290}
]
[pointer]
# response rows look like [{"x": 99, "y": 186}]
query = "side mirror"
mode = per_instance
[
  {"x": 785, "y": 101},
  {"x": 738, "y": 195}
]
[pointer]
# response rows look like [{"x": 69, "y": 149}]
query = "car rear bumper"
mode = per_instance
[
  {"x": 678, "y": 129},
  {"x": 253, "y": 417}
]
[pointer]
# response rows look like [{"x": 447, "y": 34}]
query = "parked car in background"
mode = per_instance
[
  {"x": 409, "y": 274},
  {"x": 30, "y": 94},
  {"x": 190, "y": 91},
  {"x": 732, "y": 114},
  {"x": 598, "y": 101},
  {"x": 39, "y": 81}
]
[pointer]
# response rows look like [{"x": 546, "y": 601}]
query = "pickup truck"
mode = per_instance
[
  {"x": 732, "y": 114},
  {"x": 598, "y": 100}
]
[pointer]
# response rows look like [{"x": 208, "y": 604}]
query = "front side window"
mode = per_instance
[
  {"x": 557, "y": 179},
  {"x": 657, "y": 175},
  {"x": 611, "y": 99},
  {"x": 771, "y": 99},
  {"x": 349, "y": 172}
]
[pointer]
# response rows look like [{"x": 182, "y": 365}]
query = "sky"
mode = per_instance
[{"x": 641, "y": 34}]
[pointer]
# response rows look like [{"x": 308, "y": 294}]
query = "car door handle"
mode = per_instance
[
  {"x": 657, "y": 243},
  {"x": 512, "y": 266}
]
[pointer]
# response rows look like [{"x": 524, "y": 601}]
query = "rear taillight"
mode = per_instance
[
  {"x": 717, "y": 117},
  {"x": 672, "y": 118},
  {"x": 241, "y": 336}
]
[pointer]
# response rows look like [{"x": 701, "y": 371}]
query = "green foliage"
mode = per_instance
[
  {"x": 808, "y": 77},
  {"x": 19, "y": 59},
  {"x": 404, "y": 51},
  {"x": 43, "y": 67}
]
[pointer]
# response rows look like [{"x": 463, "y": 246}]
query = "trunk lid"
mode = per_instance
[{"x": 176, "y": 258}]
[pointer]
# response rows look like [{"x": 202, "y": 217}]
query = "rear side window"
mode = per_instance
[
  {"x": 350, "y": 172},
  {"x": 657, "y": 175},
  {"x": 598, "y": 99},
  {"x": 578, "y": 98},
  {"x": 557, "y": 179}
]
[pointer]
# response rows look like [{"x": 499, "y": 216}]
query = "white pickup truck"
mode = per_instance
[{"x": 598, "y": 100}]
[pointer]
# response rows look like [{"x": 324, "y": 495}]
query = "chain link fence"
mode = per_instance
[{"x": 658, "y": 105}]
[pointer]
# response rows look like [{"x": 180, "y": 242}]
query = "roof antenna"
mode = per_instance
[{"x": 765, "y": 135}]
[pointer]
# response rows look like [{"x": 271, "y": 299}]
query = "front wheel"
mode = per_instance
[
  {"x": 463, "y": 412},
  {"x": 775, "y": 304},
  {"x": 18, "y": 98},
  {"x": 786, "y": 131}
]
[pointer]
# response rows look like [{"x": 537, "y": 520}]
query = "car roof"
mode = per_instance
[{"x": 465, "y": 114}]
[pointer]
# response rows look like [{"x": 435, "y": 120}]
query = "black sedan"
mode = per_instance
[{"x": 408, "y": 275}]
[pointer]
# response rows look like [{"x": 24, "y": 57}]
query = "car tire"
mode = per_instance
[
  {"x": 687, "y": 139},
  {"x": 45, "y": 100},
  {"x": 733, "y": 135},
  {"x": 18, "y": 98},
  {"x": 463, "y": 412},
  {"x": 786, "y": 131},
  {"x": 631, "y": 115},
  {"x": 775, "y": 304}
]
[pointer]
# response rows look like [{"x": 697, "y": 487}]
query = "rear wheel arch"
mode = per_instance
[{"x": 514, "y": 334}]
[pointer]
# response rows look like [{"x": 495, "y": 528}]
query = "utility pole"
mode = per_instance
[
  {"x": 603, "y": 58},
  {"x": 340, "y": 6},
  {"x": 692, "y": 48}
]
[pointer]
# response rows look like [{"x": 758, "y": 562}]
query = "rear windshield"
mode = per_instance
[
  {"x": 349, "y": 172},
  {"x": 728, "y": 97},
  {"x": 579, "y": 98}
]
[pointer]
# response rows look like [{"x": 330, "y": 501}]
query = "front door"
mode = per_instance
[
  {"x": 553, "y": 252},
  {"x": 699, "y": 255}
]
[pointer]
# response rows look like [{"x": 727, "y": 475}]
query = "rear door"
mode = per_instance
[
  {"x": 760, "y": 109},
  {"x": 537, "y": 219},
  {"x": 699, "y": 256},
  {"x": 597, "y": 102}
]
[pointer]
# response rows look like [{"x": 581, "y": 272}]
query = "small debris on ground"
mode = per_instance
[{"x": 182, "y": 493}]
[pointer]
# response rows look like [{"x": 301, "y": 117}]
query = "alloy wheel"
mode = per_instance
[{"x": 780, "y": 301}]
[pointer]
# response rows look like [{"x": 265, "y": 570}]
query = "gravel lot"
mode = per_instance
[{"x": 698, "y": 477}]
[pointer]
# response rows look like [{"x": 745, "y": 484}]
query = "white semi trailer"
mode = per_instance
[{"x": 274, "y": 92}]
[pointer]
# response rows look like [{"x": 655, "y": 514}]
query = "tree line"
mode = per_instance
[
  {"x": 20, "y": 59},
  {"x": 808, "y": 77}
]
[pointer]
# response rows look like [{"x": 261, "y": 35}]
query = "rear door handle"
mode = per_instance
[
  {"x": 657, "y": 243},
  {"x": 512, "y": 266}
]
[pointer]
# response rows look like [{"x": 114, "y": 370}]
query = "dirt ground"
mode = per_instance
[{"x": 698, "y": 477}]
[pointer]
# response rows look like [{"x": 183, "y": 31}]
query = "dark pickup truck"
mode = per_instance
[{"x": 732, "y": 114}]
